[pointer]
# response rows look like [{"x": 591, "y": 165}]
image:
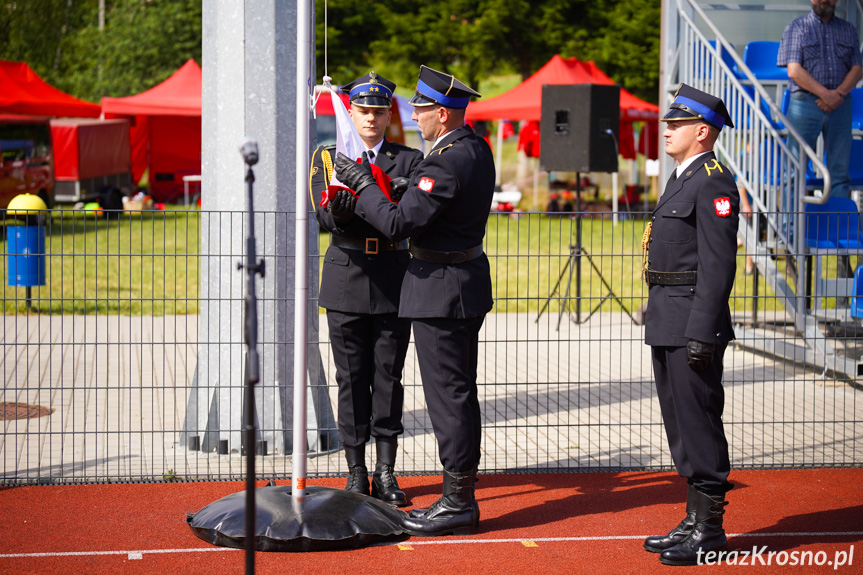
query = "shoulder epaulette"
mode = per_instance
[
  {"x": 711, "y": 167},
  {"x": 444, "y": 148}
]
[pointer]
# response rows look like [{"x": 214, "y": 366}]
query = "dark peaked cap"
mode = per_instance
[
  {"x": 435, "y": 87},
  {"x": 692, "y": 104},
  {"x": 371, "y": 91}
]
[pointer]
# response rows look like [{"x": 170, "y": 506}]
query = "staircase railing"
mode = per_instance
[{"x": 757, "y": 152}]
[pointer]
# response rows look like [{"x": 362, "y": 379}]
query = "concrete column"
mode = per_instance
[{"x": 249, "y": 87}]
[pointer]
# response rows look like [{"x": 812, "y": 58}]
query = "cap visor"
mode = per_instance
[
  {"x": 676, "y": 114},
  {"x": 420, "y": 100},
  {"x": 372, "y": 102}
]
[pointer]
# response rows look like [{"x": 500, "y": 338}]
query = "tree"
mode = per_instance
[
  {"x": 351, "y": 25},
  {"x": 623, "y": 50},
  {"x": 39, "y": 32},
  {"x": 523, "y": 35},
  {"x": 144, "y": 42}
]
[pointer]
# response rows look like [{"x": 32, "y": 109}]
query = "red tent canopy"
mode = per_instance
[
  {"x": 166, "y": 131},
  {"x": 22, "y": 91},
  {"x": 524, "y": 102},
  {"x": 179, "y": 95}
]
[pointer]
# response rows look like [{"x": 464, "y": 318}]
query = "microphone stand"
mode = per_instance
[{"x": 253, "y": 267}]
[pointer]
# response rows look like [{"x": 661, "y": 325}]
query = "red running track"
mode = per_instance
[{"x": 539, "y": 523}]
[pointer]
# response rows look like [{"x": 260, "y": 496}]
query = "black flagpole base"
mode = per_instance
[{"x": 327, "y": 519}]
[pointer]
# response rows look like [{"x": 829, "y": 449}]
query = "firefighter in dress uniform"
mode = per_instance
[
  {"x": 690, "y": 251},
  {"x": 360, "y": 286},
  {"x": 447, "y": 290}
]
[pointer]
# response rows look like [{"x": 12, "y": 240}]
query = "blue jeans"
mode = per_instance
[{"x": 805, "y": 115}]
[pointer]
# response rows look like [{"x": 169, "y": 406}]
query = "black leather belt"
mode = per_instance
[
  {"x": 439, "y": 257},
  {"x": 671, "y": 278},
  {"x": 369, "y": 246}
]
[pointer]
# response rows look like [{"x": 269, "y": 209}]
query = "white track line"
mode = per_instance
[{"x": 412, "y": 542}]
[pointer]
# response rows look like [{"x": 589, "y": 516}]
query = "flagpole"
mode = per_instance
[{"x": 301, "y": 250}]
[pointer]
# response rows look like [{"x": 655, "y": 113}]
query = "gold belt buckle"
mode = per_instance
[{"x": 372, "y": 242}]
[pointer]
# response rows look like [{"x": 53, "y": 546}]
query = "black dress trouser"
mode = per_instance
[
  {"x": 447, "y": 352},
  {"x": 692, "y": 403},
  {"x": 369, "y": 353}
]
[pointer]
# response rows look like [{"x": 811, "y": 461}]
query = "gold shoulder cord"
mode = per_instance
[
  {"x": 328, "y": 166},
  {"x": 328, "y": 173},
  {"x": 645, "y": 246}
]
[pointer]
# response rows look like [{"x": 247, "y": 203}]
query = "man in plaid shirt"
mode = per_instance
[{"x": 824, "y": 65}]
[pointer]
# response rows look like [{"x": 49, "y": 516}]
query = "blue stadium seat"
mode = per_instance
[
  {"x": 783, "y": 106},
  {"x": 833, "y": 225},
  {"x": 760, "y": 57},
  {"x": 812, "y": 182},
  {"x": 855, "y": 169},
  {"x": 765, "y": 107},
  {"x": 857, "y": 294},
  {"x": 729, "y": 61},
  {"x": 857, "y": 109}
]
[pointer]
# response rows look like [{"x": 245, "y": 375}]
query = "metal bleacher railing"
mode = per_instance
[
  {"x": 99, "y": 371},
  {"x": 757, "y": 151}
]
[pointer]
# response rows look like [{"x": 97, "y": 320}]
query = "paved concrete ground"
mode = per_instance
[{"x": 576, "y": 398}]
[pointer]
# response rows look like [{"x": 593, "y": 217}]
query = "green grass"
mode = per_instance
[
  {"x": 147, "y": 264},
  {"x": 525, "y": 284},
  {"x": 137, "y": 263}
]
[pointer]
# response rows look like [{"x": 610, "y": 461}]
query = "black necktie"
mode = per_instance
[
  {"x": 371, "y": 156},
  {"x": 672, "y": 179}
]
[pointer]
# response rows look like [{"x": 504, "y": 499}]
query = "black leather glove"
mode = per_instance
[
  {"x": 700, "y": 354},
  {"x": 342, "y": 206},
  {"x": 398, "y": 187},
  {"x": 353, "y": 175}
]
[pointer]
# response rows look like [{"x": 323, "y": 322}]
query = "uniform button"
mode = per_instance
[
  {"x": 654, "y": 218},
  {"x": 673, "y": 211},
  {"x": 717, "y": 335},
  {"x": 691, "y": 290}
]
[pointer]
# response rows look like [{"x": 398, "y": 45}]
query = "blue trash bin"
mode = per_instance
[{"x": 25, "y": 247}]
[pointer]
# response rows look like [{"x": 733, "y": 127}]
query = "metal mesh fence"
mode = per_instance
[{"x": 127, "y": 366}]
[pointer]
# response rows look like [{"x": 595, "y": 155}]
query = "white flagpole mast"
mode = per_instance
[{"x": 301, "y": 261}]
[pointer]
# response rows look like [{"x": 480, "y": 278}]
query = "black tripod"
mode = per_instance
[
  {"x": 576, "y": 252},
  {"x": 253, "y": 267}
]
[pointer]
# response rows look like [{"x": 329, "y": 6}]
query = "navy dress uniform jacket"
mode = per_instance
[
  {"x": 694, "y": 228},
  {"x": 445, "y": 208},
  {"x": 352, "y": 281},
  {"x": 361, "y": 294}
]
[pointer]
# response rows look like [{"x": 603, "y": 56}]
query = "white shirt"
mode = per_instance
[
  {"x": 376, "y": 150},
  {"x": 441, "y": 137},
  {"x": 682, "y": 167}
]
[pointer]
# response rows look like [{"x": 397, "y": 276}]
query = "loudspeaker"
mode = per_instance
[{"x": 579, "y": 128}]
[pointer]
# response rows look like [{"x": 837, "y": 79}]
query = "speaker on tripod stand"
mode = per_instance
[{"x": 579, "y": 131}]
